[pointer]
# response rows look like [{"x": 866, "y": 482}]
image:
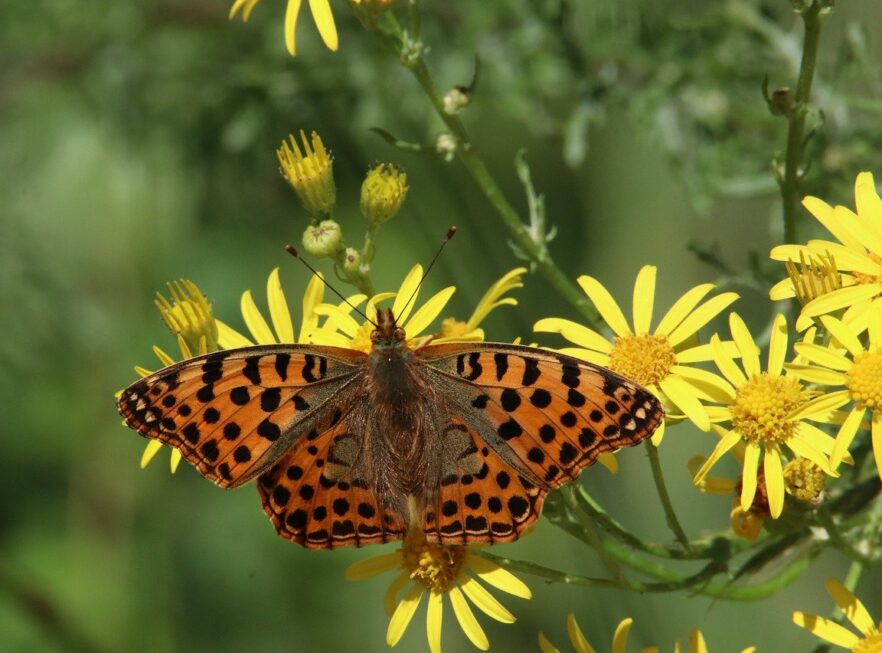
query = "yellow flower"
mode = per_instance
[
  {"x": 858, "y": 370},
  {"x": 765, "y": 411},
  {"x": 857, "y": 255},
  {"x": 321, "y": 14},
  {"x": 453, "y": 329},
  {"x": 342, "y": 330},
  {"x": 439, "y": 570},
  {"x": 580, "y": 643},
  {"x": 745, "y": 523},
  {"x": 309, "y": 168},
  {"x": 282, "y": 330},
  {"x": 189, "y": 317},
  {"x": 661, "y": 359},
  {"x": 854, "y": 610}
]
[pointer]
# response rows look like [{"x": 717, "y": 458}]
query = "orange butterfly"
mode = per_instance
[{"x": 349, "y": 448}]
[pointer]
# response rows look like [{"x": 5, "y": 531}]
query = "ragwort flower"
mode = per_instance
[
  {"x": 453, "y": 329},
  {"x": 857, "y": 256},
  {"x": 744, "y": 523},
  {"x": 440, "y": 570},
  {"x": 858, "y": 370},
  {"x": 765, "y": 411},
  {"x": 661, "y": 359},
  {"x": 580, "y": 643},
  {"x": 321, "y": 14},
  {"x": 870, "y": 640}
]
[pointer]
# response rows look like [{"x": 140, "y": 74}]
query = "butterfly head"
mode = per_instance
[{"x": 388, "y": 335}]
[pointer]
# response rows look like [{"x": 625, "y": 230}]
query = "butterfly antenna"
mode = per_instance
[
  {"x": 450, "y": 234},
  {"x": 293, "y": 252}
]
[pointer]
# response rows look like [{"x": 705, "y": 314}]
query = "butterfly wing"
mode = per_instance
[
  {"x": 233, "y": 413},
  {"x": 535, "y": 418},
  {"x": 318, "y": 493}
]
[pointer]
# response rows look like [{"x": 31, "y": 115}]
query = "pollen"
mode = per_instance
[
  {"x": 433, "y": 565},
  {"x": 864, "y": 380},
  {"x": 803, "y": 479},
  {"x": 762, "y": 406},
  {"x": 646, "y": 358}
]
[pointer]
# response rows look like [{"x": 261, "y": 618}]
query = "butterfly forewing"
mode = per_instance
[{"x": 233, "y": 413}]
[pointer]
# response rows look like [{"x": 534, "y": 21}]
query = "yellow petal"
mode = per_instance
[
  {"x": 826, "y": 629},
  {"x": 229, "y": 338},
  {"x": 278, "y": 308},
  {"x": 577, "y": 637},
  {"x": 150, "y": 451},
  {"x": 373, "y": 566},
  {"x": 777, "y": 345},
  {"x": 867, "y": 200},
  {"x": 390, "y": 600},
  {"x": 863, "y": 229},
  {"x": 710, "y": 386},
  {"x": 658, "y": 436},
  {"x": 433, "y": 621},
  {"x": 696, "y": 642},
  {"x": 403, "y": 614},
  {"x": 725, "y": 363},
  {"x": 841, "y": 298},
  {"x": 605, "y": 304},
  {"x": 701, "y": 316},
  {"x": 428, "y": 312},
  {"x": 823, "y": 356},
  {"x": 174, "y": 460},
  {"x": 254, "y": 321},
  {"x": 609, "y": 461},
  {"x": 682, "y": 307},
  {"x": 814, "y": 374},
  {"x": 874, "y": 325},
  {"x": 825, "y": 215},
  {"x": 843, "y": 335},
  {"x": 342, "y": 320},
  {"x": 545, "y": 646},
  {"x": 467, "y": 621},
  {"x": 703, "y": 353},
  {"x": 312, "y": 297},
  {"x": 805, "y": 448},
  {"x": 845, "y": 436},
  {"x": 291, "y": 13},
  {"x": 790, "y": 253},
  {"x": 620, "y": 638},
  {"x": 851, "y": 607},
  {"x": 683, "y": 396},
  {"x": 164, "y": 358},
  {"x": 746, "y": 345},
  {"x": 877, "y": 442},
  {"x": 729, "y": 440},
  {"x": 584, "y": 354},
  {"x": 324, "y": 21},
  {"x": 575, "y": 333},
  {"x": 782, "y": 290},
  {"x": 407, "y": 294},
  {"x": 644, "y": 296},
  {"x": 484, "y": 600},
  {"x": 748, "y": 475},
  {"x": 774, "y": 473},
  {"x": 326, "y": 337},
  {"x": 494, "y": 575},
  {"x": 847, "y": 259}
]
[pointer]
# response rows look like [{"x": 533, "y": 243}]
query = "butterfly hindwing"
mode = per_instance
[
  {"x": 543, "y": 411},
  {"x": 232, "y": 413},
  {"x": 317, "y": 494}
]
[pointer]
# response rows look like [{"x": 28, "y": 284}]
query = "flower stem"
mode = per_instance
[
  {"x": 662, "y": 489},
  {"x": 790, "y": 182}
]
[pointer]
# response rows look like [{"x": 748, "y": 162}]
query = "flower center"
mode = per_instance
[
  {"x": 434, "y": 565},
  {"x": 863, "y": 278},
  {"x": 803, "y": 479},
  {"x": 864, "y": 380},
  {"x": 761, "y": 407},
  {"x": 646, "y": 359},
  {"x": 453, "y": 328},
  {"x": 871, "y": 643},
  {"x": 362, "y": 338}
]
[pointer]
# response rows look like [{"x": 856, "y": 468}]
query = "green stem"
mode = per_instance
[
  {"x": 790, "y": 191},
  {"x": 590, "y": 533},
  {"x": 662, "y": 489}
]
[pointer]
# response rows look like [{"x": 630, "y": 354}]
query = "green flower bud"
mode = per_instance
[
  {"x": 310, "y": 171},
  {"x": 456, "y": 99},
  {"x": 382, "y": 193},
  {"x": 323, "y": 239}
]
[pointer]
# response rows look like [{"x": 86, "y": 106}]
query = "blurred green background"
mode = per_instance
[{"x": 137, "y": 146}]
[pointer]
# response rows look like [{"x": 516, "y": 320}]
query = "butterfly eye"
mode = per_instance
[
  {"x": 375, "y": 336},
  {"x": 398, "y": 334}
]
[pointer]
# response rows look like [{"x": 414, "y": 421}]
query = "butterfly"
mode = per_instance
[{"x": 464, "y": 440}]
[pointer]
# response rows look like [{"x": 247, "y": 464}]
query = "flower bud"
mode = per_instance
[
  {"x": 804, "y": 480},
  {"x": 188, "y": 315},
  {"x": 382, "y": 193},
  {"x": 446, "y": 146},
  {"x": 351, "y": 261},
  {"x": 456, "y": 99},
  {"x": 323, "y": 239},
  {"x": 309, "y": 170}
]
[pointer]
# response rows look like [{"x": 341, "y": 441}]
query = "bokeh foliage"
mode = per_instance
[{"x": 136, "y": 145}]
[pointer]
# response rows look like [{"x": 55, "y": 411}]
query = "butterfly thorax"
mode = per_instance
[{"x": 401, "y": 399}]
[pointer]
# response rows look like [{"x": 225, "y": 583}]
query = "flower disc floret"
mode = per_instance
[
  {"x": 646, "y": 358},
  {"x": 762, "y": 406},
  {"x": 864, "y": 379},
  {"x": 803, "y": 479},
  {"x": 434, "y": 566}
]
